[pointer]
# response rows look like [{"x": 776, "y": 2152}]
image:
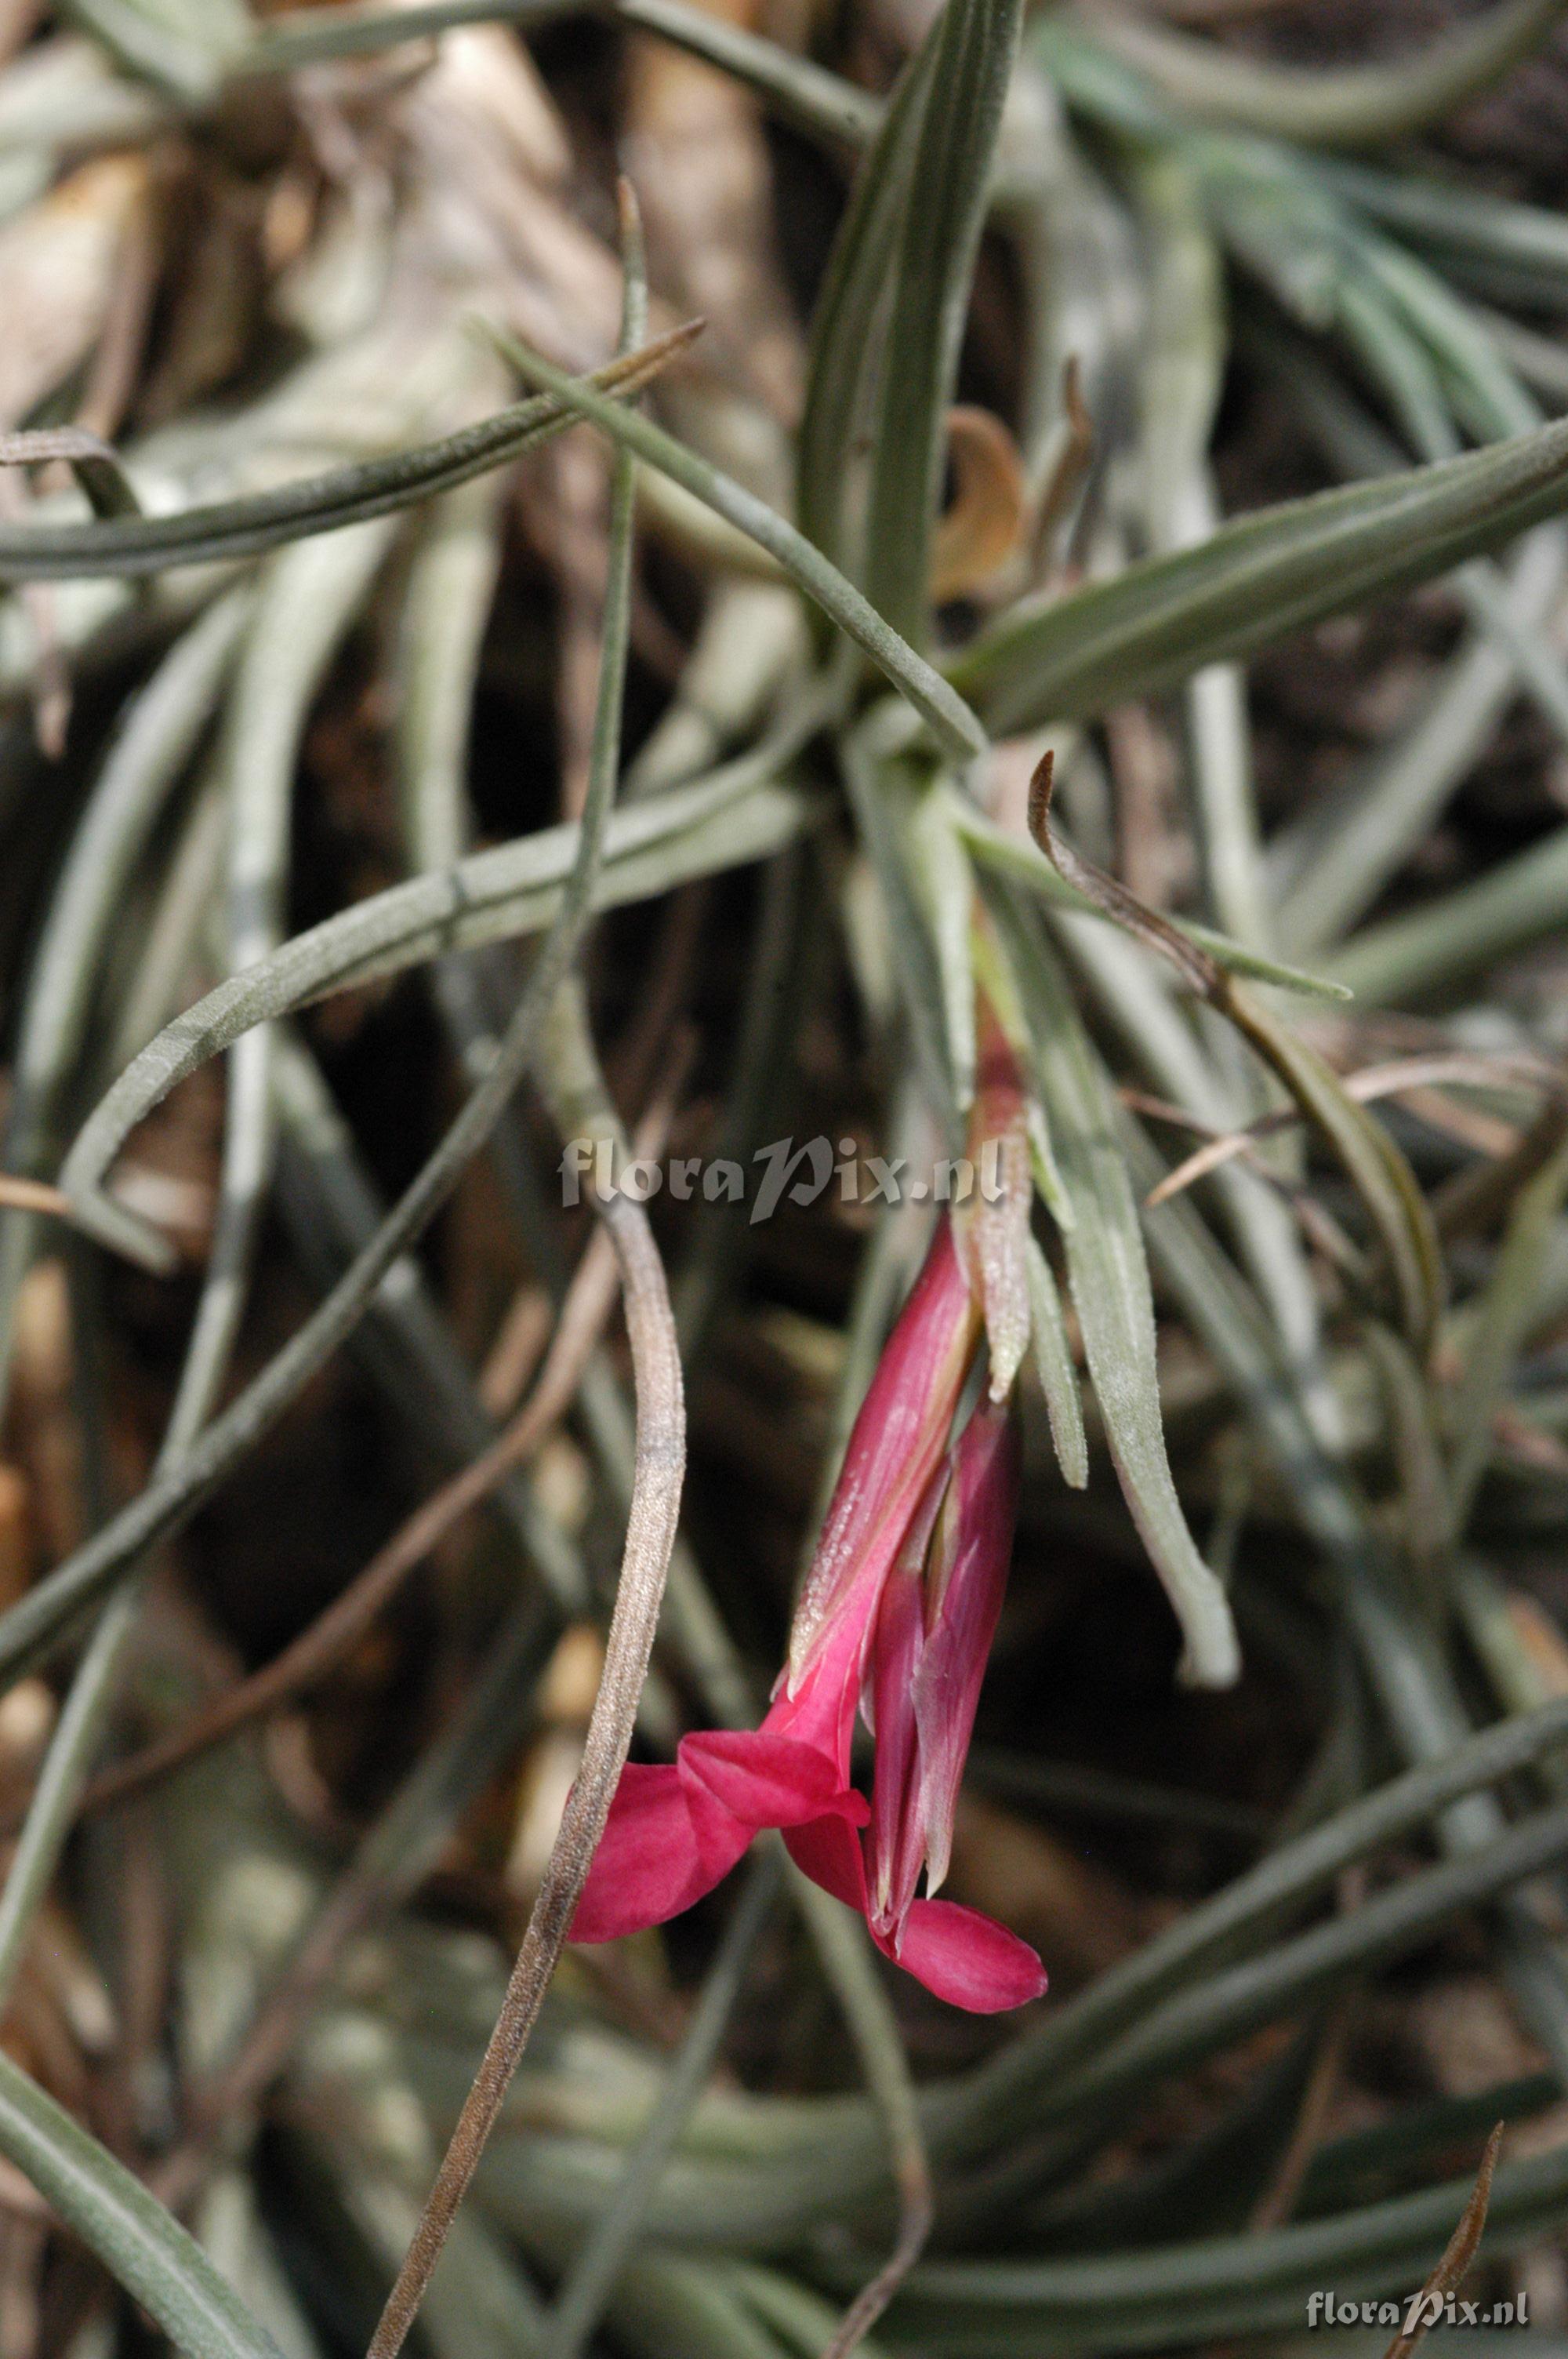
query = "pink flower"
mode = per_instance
[{"x": 898, "y": 1611}]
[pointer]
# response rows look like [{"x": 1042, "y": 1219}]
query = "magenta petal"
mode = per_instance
[
  {"x": 648, "y": 1865},
  {"x": 963, "y": 1957},
  {"x": 897, "y": 1845},
  {"x": 896, "y": 1445},
  {"x": 967, "y": 1959},
  {"x": 821, "y": 1712},
  {"x": 828, "y": 1851},
  {"x": 674, "y": 1831},
  {"x": 967, "y": 1578},
  {"x": 767, "y": 1780}
]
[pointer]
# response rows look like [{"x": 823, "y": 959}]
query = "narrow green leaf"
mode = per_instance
[
  {"x": 1182, "y": 377},
  {"x": 846, "y": 329},
  {"x": 1517, "y": 902},
  {"x": 827, "y": 2157},
  {"x": 1258, "y": 579},
  {"x": 599, "y": 2262},
  {"x": 168, "y": 1500},
  {"x": 817, "y": 102},
  {"x": 1191, "y": 2293},
  {"x": 134, "y": 544},
  {"x": 500, "y": 895},
  {"x": 1243, "y": 1919},
  {"x": 1054, "y": 1366},
  {"x": 1376, "y": 1168},
  {"x": 1021, "y": 862},
  {"x": 973, "y": 51},
  {"x": 1417, "y": 2135},
  {"x": 1373, "y": 1163},
  {"x": 944, "y": 883},
  {"x": 1344, "y": 107},
  {"x": 1334, "y": 864},
  {"x": 1458, "y": 219},
  {"x": 880, "y": 792},
  {"x": 949, "y": 717},
  {"x": 184, "y": 46},
  {"x": 143, "y": 2247},
  {"x": 995, "y": 979},
  {"x": 175, "y": 1490},
  {"x": 1167, "y": 1052},
  {"x": 1109, "y": 1280},
  {"x": 1425, "y": 1525},
  {"x": 95, "y": 466},
  {"x": 158, "y": 731},
  {"x": 1502, "y": 1319},
  {"x": 1211, "y": 2014}
]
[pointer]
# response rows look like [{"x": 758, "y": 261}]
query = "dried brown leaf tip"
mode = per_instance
[
  {"x": 1113, "y": 900},
  {"x": 1426, "y": 2309},
  {"x": 981, "y": 529}
]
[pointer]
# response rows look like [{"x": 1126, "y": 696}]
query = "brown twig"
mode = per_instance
[
  {"x": 1280, "y": 2198},
  {"x": 1462, "y": 2248},
  {"x": 666, "y": 992},
  {"x": 1485, "y": 1192},
  {"x": 1198, "y": 969},
  {"x": 1405, "y": 1076},
  {"x": 34, "y": 1196},
  {"x": 520, "y": 1340},
  {"x": 570, "y": 1074},
  {"x": 658, "y": 1473},
  {"x": 849, "y": 1963},
  {"x": 367, "y": 1887},
  {"x": 576, "y": 541},
  {"x": 915, "y": 2214}
]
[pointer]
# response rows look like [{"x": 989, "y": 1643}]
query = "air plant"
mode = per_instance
[{"x": 1279, "y": 1265}]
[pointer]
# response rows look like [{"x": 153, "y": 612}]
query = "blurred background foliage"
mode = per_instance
[{"x": 1178, "y": 388}]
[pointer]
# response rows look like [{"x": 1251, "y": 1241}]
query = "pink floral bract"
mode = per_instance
[{"x": 900, "y": 1608}]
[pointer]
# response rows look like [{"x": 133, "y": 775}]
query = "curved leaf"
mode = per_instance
[
  {"x": 133, "y": 545},
  {"x": 804, "y": 93},
  {"x": 494, "y": 896},
  {"x": 844, "y": 338},
  {"x": 143, "y": 2247},
  {"x": 949, "y": 717},
  {"x": 1344, "y": 106},
  {"x": 1108, "y": 1275},
  {"x": 1193, "y": 2292},
  {"x": 1258, "y": 579},
  {"x": 1015, "y": 856},
  {"x": 973, "y": 49}
]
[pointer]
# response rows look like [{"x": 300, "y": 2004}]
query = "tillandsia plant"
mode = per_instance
[
  {"x": 996, "y": 607},
  {"x": 897, "y": 1614}
]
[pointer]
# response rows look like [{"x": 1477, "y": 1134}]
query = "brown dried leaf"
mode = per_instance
[
  {"x": 981, "y": 529},
  {"x": 1463, "y": 2247},
  {"x": 1541, "y": 1639}
]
